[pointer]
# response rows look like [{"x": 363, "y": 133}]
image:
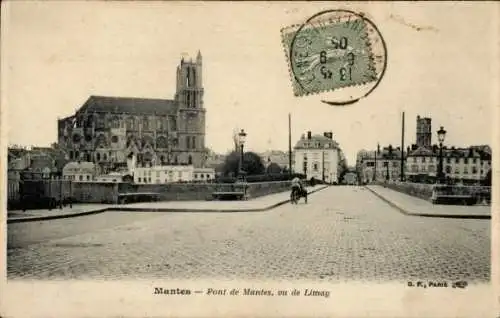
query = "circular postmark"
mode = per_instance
[{"x": 339, "y": 54}]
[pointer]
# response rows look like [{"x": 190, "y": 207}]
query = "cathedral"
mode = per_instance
[{"x": 108, "y": 130}]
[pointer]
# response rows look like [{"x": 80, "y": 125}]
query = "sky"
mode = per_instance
[{"x": 56, "y": 54}]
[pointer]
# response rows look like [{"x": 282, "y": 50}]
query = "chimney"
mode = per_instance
[{"x": 308, "y": 135}]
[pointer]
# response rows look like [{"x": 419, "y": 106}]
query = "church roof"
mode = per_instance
[{"x": 129, "y": 105}]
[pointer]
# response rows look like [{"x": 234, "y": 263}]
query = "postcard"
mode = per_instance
[{"x": 248, "y": 159}]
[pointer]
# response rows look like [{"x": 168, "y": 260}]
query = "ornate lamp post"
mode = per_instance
[
  {"x": 441, "y": 134},
  {"x": 241, "y": 140}
]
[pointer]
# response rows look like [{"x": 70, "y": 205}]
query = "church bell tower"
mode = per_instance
[{"x": 191, "y": 112}]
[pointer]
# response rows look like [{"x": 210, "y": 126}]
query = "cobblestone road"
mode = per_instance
[{"x": 343, "y": 233}]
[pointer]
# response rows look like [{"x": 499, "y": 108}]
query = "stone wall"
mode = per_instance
[
  {"x": 264, "y": 188},
  {"x": 107, "y": 192},
  {"x": 172, "y": 191},
  {"x": 94, "y": 192},
  {"x": 420, "y": 190},
  {"x": 202, "y": 191},
  {"x": 425, "y": 191}
]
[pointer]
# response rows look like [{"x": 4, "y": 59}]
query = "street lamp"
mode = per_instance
[
  {"x": 241, "y": 140},
  {"x": 441, "y": 134}
]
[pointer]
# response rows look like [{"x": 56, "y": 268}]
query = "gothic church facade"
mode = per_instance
[{"x": 108, "y": 130}]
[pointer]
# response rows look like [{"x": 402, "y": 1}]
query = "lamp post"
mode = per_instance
[
  {"x": 441, "y": 134},
  {"x": 241, "y": 140}
]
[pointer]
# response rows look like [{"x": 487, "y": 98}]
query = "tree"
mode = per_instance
[
  {"x": 273, "y": 168},
  {"x": 252, "y": 163}
]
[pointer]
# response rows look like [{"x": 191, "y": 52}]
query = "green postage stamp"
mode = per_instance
[{"x": 333, "y": 50}]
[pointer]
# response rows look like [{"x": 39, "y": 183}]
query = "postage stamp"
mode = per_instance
[{"x": 334, "y": 50}]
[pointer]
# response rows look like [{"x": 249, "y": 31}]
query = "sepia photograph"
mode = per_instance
[{"x": 249, "y": 159}]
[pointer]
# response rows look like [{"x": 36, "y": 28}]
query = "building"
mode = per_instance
[
  {"x": 350, "y": 178},
  {"x": 424, "y": 132},
  {"x": 172, "y": 173},
  {"x": 203, "y": 174},
  {"x": 380, "y": 164},
  {"x": 113, "y": 177},
  {"x": 79, "y": 171},
  {"x": 460, "y": 165},
  {"x": 319, "y": 157},
  {"x": 421, "y": 161},
  {"x": 281, "y": 158},
  {"x": 107, "y": 130}
]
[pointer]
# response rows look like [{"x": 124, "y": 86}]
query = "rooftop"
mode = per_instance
[
  {"x": 316, "y": 142},
  {"x": 129, "y": 105}
]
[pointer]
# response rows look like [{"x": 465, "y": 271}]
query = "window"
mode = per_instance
[
  {"x": 139, "y": 180},
  {"x": 466, "y": 171},
  {"x": 188, "y": 78},
  {"x": 196, "y": 176},
  {"x": 130, "y": 123},
  {"x": 448, "y": 169},
  {"x": 193, "y": 142},
  {"x": 474, "y": 170},
  {"x": 474, "y": 160},
  {"x": 423, "y": 159},
  {"x": 448, "y": 160},
  {"x": 414, "y": 159},
  {"x": 466, "y": 160},
  {"x": 395, "y": 164},
  {"x": 80, "y": 177},
  {"x": 194, "y": 77},
  {"x": 190, "y": 160},
  {"x": 88, "y": 177},
  {"x": 188, "y": 99},
  {"x": 315, "y": 166},
  {"x": 208, "y": 176},
  {"x": 114, "y": 139},
  {"x": 431, "y": 159},
  {"x": 457, "y": 160},
  {"x": 386, "y": 164}
]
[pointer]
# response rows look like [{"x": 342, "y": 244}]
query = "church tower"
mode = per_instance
[
  {"x": 424, "y": 132},
  {"x": 191, "y": 112}
]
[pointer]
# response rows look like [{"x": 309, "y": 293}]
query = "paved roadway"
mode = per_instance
[{"x": 343, "y": 233}]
